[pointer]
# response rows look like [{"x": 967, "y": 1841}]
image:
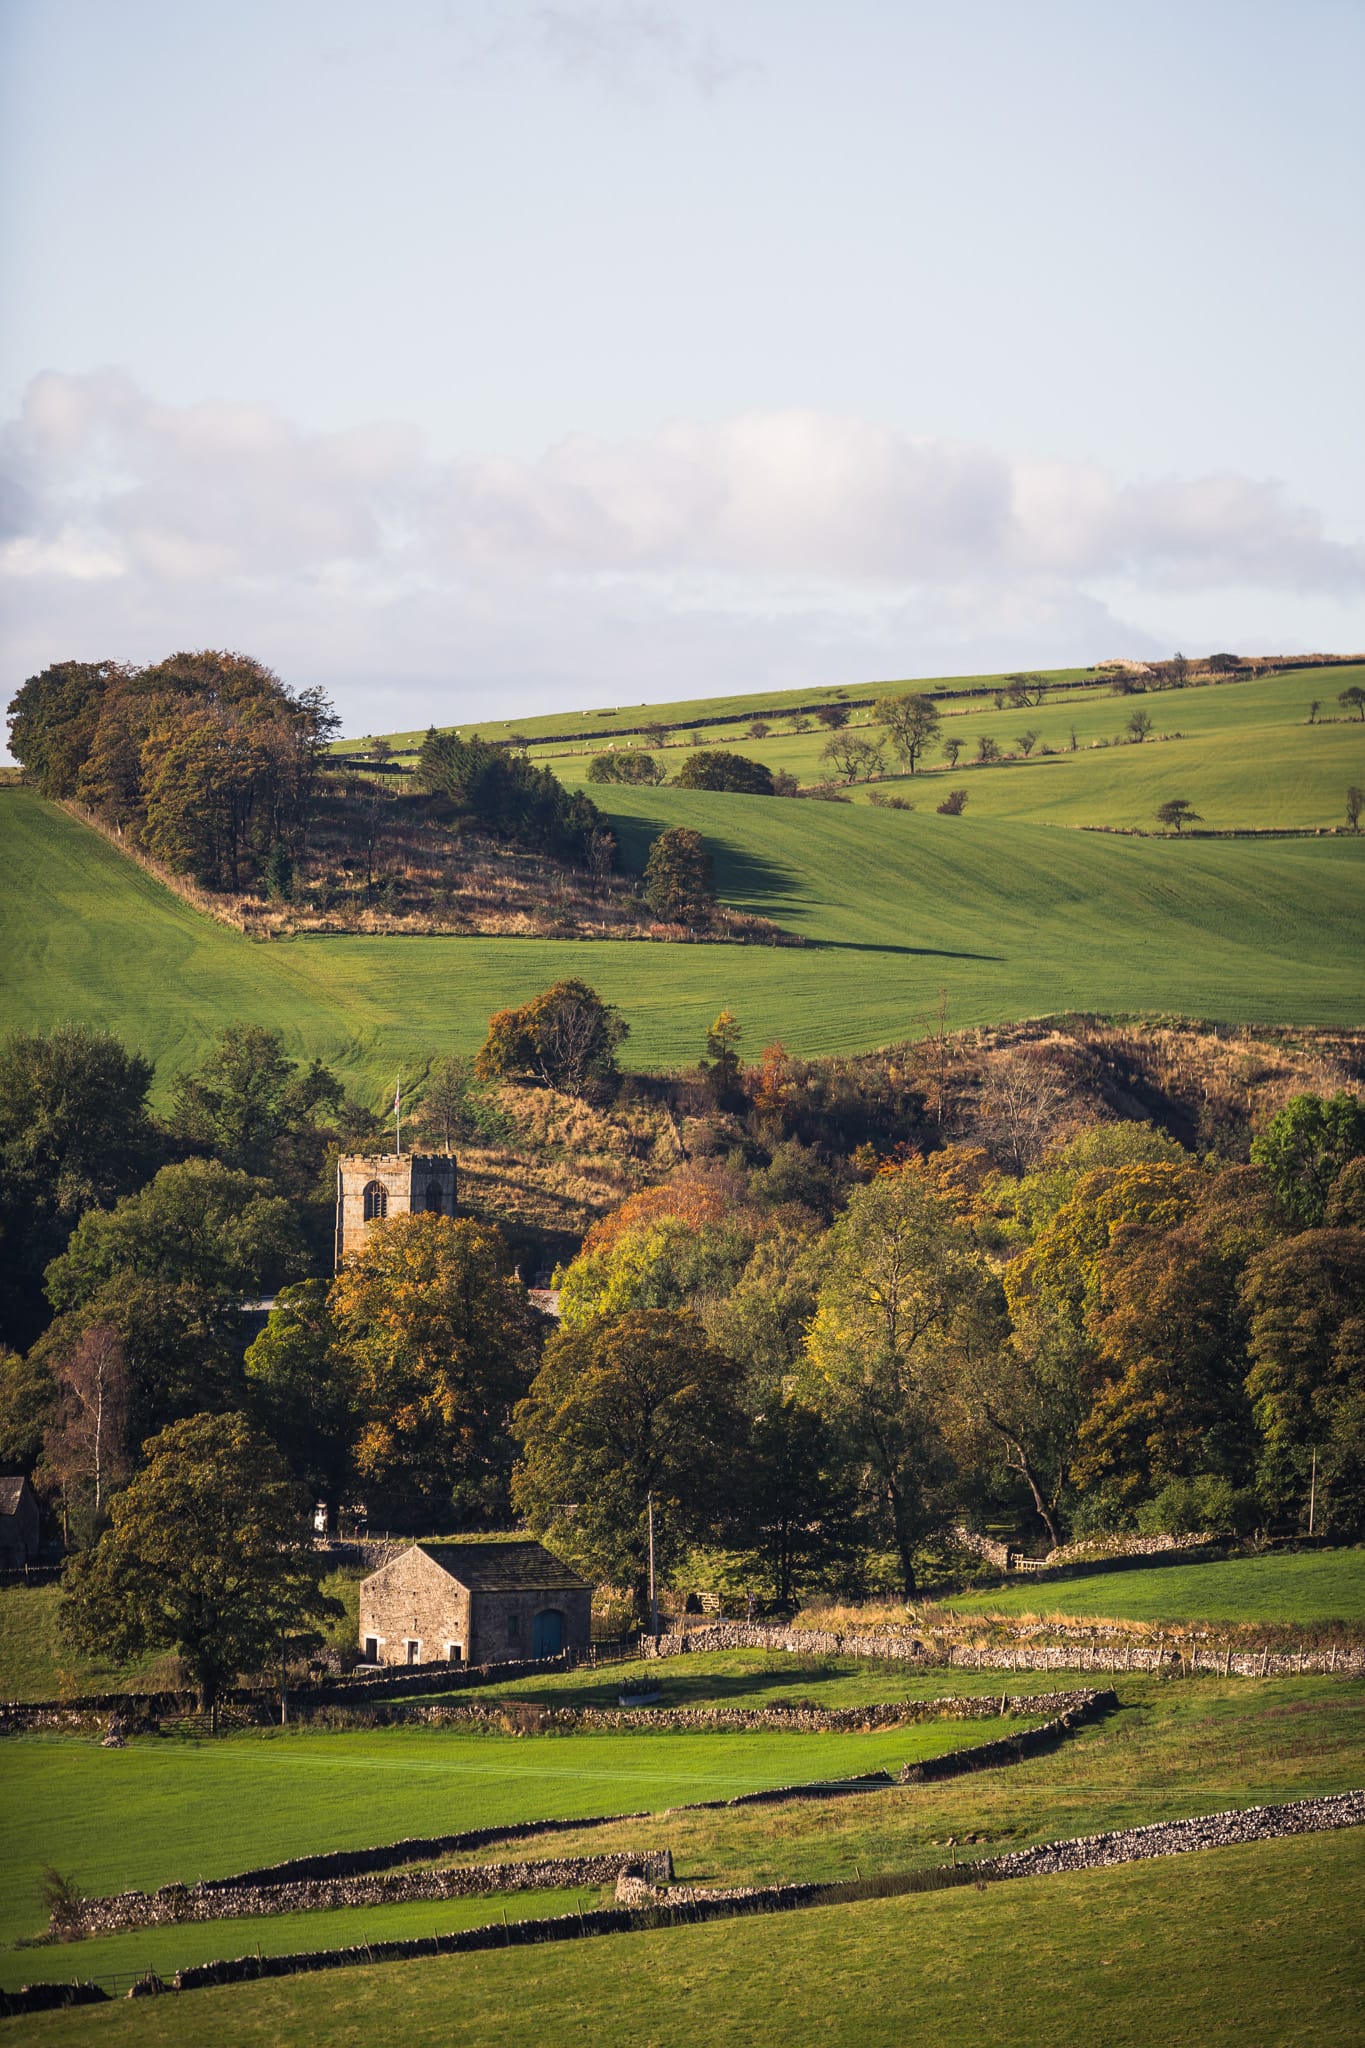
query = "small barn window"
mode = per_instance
[
  {"x": 414, "y": 1650},
  {"x": 434, "y": 1203},
  {"x": 376, "y": 1200},
  {"x": 371, "y": 1649},
  {"x": 454, "y": 1653}
]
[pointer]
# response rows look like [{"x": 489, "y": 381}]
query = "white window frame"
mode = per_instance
[
  {"x": 366, "y": 1639},
  {"x": 454, "y": 1653}
]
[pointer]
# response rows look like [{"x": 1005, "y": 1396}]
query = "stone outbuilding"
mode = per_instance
[
  {"x": 19, "y": 1533},
  {"x": 486, "y": 1601}
]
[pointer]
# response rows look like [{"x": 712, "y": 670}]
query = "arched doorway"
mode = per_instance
[{"x": 548, "y": 1640}]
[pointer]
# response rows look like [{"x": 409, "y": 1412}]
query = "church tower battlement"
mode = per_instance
[{"x": 374, "y": 1185}]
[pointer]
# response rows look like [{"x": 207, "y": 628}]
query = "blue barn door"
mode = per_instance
[{"x": 549, "y": 1633}]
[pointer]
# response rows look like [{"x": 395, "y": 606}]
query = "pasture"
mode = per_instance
[
  {"x": 1255, "y": 1944},
  {"x": 1174, "y": 1747},
  {"x": 169, "y": 1809},
  {"x": 1312, "y": 1588},
  {"x": 1012, "y": 919}
]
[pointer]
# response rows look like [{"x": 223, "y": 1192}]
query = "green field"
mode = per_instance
[
  {"x": 170, "y": 1808},
  {"x": 1312, "y": 1588},
  {"x": 739, "y": 707},
  {"x": 166, "y": 1808},
  {"x": 1014, "y": 920},
  {"x": 36, "y": 1664},
  {"x": 1249, "y": 1945}
]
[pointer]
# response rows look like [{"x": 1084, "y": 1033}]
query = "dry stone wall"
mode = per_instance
[
  {"x": 1076, "y": 1654},
  {"x": 174, "y": 1904}
]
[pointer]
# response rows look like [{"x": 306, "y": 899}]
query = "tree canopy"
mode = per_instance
[
  {"x": 203, "y": 1557},
  {"x": 715, "y": 768}
]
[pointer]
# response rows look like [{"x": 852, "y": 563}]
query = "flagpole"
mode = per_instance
[{"x": 398, "y": 1114}]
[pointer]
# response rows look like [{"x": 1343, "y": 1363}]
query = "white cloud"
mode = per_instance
[{"x": 772, "y": 547}]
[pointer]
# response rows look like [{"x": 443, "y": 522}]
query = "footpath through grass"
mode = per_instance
[
  {"x": 1314, "y": 1588},
  {"x": 1254, "y": 1945}
]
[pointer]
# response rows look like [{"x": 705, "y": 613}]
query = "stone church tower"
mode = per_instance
[{"x": 373, "y": 1185}]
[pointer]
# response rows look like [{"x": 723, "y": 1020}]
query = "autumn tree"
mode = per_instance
[
  {"x": 721, "y": 1067},
  {"x": 1305, "y": 1300},
  {"x": 679, "y": 882},
  {"x": 913, "y": 723},
  {"x": 301, "y": 1392},
  {"x": 905, "y": 1303},
  {"x": 434, "y": 1336},
  {"x": 566, "y": 1037},
  {"x": 206, "y": 1555},
  {"x": 623, "y": 1408},
  {"x": 1170, "y": 1334}
]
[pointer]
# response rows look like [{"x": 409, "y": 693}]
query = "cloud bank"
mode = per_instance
[{"x": 772, "y": 547}]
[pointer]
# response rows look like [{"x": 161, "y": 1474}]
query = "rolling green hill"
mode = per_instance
[{"x": 1015, "y": 919}]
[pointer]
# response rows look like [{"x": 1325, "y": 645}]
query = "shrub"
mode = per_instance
[
  {"x": 713, "y": 768},
  {"x": 954, "y": 804}
]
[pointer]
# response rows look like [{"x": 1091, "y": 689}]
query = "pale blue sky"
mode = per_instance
[{"x": 489, "y": 352}]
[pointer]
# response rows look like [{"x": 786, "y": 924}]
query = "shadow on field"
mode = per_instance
[{"x": 882, "y": 946}]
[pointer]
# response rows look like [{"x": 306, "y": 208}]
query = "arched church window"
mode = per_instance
[{"x": 376, "y": 1200}]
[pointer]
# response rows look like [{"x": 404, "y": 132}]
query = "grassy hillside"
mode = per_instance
[
  {"x": 1242, "y": 753},
  {"x": 1255, "y": 1944},
  {"x": 1013, "y": 919},
  {"x": 1312, "y": 1589}
]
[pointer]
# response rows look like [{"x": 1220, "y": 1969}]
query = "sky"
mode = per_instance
[{"x": 473, "y": 357}]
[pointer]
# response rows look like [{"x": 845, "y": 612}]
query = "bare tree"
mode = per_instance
[
  {"x": 987, "y": 749},
  {"x": 87, "y": 1445},
  {"x": 1313, "y": 710},
  {"x": 1139, "y": 725},
  {"x": 951, "y": 749},
  {"x": 1024, "y": 1102},
  {"x": 1026, "y": 742}
]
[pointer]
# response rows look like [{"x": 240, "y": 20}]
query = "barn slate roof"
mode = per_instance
[
  {"x": 11, "y": 1493},
  {"x": 507, "y": 1567}
]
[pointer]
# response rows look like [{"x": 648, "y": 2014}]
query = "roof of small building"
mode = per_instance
[
  {"x": 509, "y": 1565},
  {"x": 11, "y": 1493}
]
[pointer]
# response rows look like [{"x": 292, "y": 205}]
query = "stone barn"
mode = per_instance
[
  {"x": 483, "y": 1602},
  {"x": 18, "y": 1523}
]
